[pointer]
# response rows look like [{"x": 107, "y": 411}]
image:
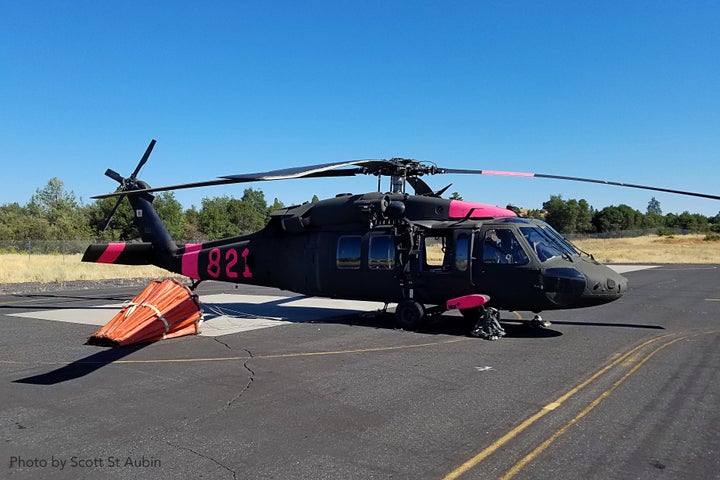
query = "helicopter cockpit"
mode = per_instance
[{"x": 526, "y": 258}]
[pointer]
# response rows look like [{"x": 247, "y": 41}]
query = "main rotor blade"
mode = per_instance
[
  {"x": 312, "y": 171},
  {"x": 321, "y": 170},
  {"x": 578, "y": 179}
]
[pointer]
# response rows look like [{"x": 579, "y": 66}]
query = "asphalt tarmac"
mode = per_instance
[{"x": 626, "y": 390}]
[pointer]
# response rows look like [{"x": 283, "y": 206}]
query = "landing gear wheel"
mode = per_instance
[
  {"x": 410, "y": 315},
  {"x": 538, "y": 322}
]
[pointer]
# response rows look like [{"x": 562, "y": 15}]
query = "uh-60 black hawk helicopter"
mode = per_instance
[{"x": 424, "y": 253}]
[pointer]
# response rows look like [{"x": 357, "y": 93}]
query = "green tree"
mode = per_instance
[
  {"x": 121, "y": 227},
  {"x": 192, "y": 226},
  {"x": 455, "y": 196},
  {"x": 17, "y": 224},
  {"x": 632, "y": 219},
  {"x": 562, "y": 215},
  {"x": 222, "y": 217},
  {"x": 171, "y": 213},
  {"x": 654, "y": 207},
  {"x": 256, "y": 199},
  {"x": 615, "y": 219},
  {"x": 277, "y": 205},
  {"x": 693, "y": 222},
  {"x": 583, "y": 223},
  {"x": 65, "y": 218}
]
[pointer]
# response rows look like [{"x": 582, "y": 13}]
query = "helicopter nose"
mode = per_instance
[
  {"x": 584, "y": 285},
  {"x": 603, "y": 285}
]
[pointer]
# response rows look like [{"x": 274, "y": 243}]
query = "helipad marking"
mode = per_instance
[
  {"x": 228, "y": 313},
  {"x": 631, "y": 268}
]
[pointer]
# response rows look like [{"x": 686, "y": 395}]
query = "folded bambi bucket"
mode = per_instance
[{"x": 165, "y": 309}]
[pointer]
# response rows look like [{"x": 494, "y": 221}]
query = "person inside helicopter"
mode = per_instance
[{"x": 501, "y": 246}]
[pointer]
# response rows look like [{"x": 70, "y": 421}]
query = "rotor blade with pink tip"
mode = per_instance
[{"x": 577, "y": 179}]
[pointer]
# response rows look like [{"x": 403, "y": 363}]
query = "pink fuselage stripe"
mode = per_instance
[
  {"x": 111, "y": 253},
  {"x": 459, "y": 209},
  {"x": 190, "y": 260}
]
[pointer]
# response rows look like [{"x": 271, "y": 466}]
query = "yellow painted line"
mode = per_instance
[
  {"x": 712, "y": 299},
  {"x": 462, "y": 469},
  {"x": 540, "y": 448},
  {"x": 248, "y": 357}
]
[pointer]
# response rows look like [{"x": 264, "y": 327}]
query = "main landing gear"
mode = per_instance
[
  {"x": 485, "y": 321},
  {"x": 537, "y": 322},
  {"x": 410, "y": 315},
  {"x": 487, "y": 325}
]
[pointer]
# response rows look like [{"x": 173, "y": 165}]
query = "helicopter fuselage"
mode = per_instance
[{"x": 389, "y": 248}]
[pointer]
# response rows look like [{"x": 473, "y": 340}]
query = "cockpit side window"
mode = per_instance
[
  {"x": 501, "y": 246},
  {"x": 544, "y": 247}
]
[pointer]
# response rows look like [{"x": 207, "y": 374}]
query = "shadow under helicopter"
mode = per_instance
[{"x": 446, "y": 324}]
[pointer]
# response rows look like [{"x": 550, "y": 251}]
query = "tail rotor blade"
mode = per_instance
[
  {"x": 114, "y": 175},
  {"x": 143, "y": 160},
  {"x": 112, "y": 213}
]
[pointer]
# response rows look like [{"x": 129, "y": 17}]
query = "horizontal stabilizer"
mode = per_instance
[{"x": 120, "y": 253}]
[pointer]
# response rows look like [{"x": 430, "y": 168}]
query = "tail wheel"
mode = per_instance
[{"x": 410, "y": 315}]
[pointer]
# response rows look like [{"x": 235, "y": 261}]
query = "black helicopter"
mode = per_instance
[{"x": 424, "y": 253}]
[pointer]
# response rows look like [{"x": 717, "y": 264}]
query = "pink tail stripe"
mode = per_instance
[
  {"x": 111, "y": 253},
  {"x": 190, "y": 260}
]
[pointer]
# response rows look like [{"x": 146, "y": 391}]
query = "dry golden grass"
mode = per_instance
[
  {"x": 653, "y": 249},
  {"x": 20, "y": 268}
]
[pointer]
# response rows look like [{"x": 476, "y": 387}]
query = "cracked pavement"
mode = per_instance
[{"x": 353, "y": 397}]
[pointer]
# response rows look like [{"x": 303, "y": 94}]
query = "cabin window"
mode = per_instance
[
  {"x": 434, "y": 252},
  {"x": 348, "y": 252},
  {"x": 382, "y": 253},
  {"x": 462, "y": 247},
  {"x": 501, "y": 246}
]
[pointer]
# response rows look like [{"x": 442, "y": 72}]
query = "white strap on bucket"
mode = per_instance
[{"x": 130, "y": 306}]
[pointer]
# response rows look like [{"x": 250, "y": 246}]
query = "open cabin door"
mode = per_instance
[{"x": 444, "y": 267}]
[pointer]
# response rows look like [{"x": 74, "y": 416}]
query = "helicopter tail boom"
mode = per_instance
[{"x": 119, "y": 253}]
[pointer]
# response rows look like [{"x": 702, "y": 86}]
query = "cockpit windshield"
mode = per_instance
[
  {"x": 571, "y": 249},
  {"x": 545, "y": 246}
]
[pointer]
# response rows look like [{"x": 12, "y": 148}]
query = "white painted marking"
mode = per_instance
[
  {"x": 484, "y": 369},
  {"x": 228, "y": 313},
  {"x": 631, "y": 268}
]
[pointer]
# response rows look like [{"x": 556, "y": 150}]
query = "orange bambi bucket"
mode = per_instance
[{"x": 165, "y": 309}]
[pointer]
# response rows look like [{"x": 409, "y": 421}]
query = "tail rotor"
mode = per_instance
[{"x": 126, "y": 184}]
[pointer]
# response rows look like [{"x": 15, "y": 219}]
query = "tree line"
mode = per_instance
[
  {"x": 578, "y": 217},
  {"x": 55, "y": 214}
]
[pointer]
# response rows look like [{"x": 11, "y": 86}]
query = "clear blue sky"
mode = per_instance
[{"x": 623, "y": 91}]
